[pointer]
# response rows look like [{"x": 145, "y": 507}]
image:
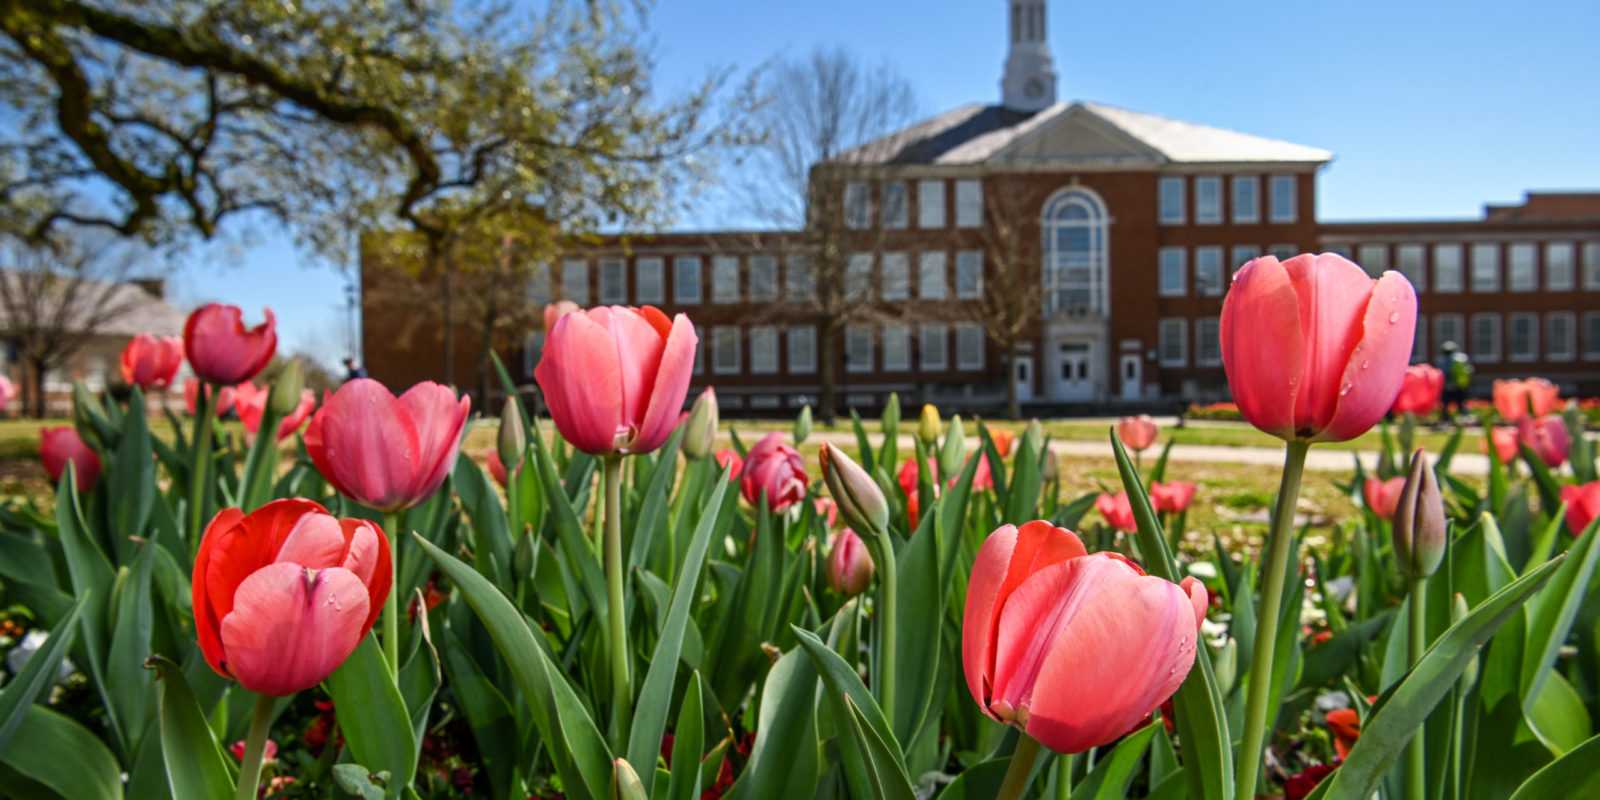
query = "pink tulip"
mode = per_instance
[
  {"x": 1546, "y": 436},
  {"x": 1171, "y": 498},
  {"x": 982, "y": 477},
  {"x": 907, "y": 477},
  {"x": 557, "y": 310},
  {"x": 8, "y": 392},
  {"x": 777, "y": 469},
  {"x": 826, "y": 509},
  {"x": 1315, "y": 349},
  {"x": 191, "y": 395},
  {"x": 1583, "y": 505},
  {"x": 1383, "y": 497},
  {"x": 1138, "y": 433},
  {"x": 1117, "y": 511},
  {"x": 1073, "y": 649},
  {"x": 148, "y": 362},
  {"x": 497, "y": 470},
  {"x": 283, "y": 595},
  {"x": 1504, "y": 441},
  {"x": 221, "y": 350},
  {"x": 728, "y": 456},
  {"x": 385, "y": 452},
  {"x": 1420, "y": 390},
  {"x": 850, "y": 567},
  {"x": 251, "y": 402},
  {"x": 1512, "y": 398},
  {"x": 60, "y": 446},
  {"x": 615, "y": 378}
]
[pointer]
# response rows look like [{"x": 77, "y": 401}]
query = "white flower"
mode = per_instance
[{"x": 30, "y": 644}]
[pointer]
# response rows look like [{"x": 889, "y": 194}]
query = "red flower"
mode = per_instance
[
  {"x": 1117, "y": 511},
  {"x": 385, "y": 452},
  {"x": 1345, "y": 724},
  {"x": 221, "y": 350},
  {"x": 251, "y": 403},
  {"x": 149, "y": 362},
  {"x": 727, "y": 456},
  {"x": 1171, "y": 498},
  {"x": 1299, "y": 786},
  {"x": 776, "y": 469},
  {"x": 61, "y": 446},
  {"x": 1420, "y": 391},
  {"x": 1383, "y": 496},
  {"x": 1583, "y": 505}
]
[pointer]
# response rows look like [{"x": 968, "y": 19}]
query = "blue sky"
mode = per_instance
[{"x": 1431, "y": 108}]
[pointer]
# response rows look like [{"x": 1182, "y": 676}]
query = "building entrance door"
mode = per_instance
[
  {"x": 1022, "y": 374},
  {"x": 1073, "y": 377},
  {"x": 1132, "y": 376}
]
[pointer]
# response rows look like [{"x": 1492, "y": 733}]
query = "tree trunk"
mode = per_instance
[
  {"x": 486, "y": 347},
  {"x": 825, "y": 399},
  {"x": 449, "y": 331},
  {"x": 1013, "y": 405},
  {"x": 37, "y": 379}
]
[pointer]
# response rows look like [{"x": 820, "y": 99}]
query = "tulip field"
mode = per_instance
[{"x": 631, "y": 601}]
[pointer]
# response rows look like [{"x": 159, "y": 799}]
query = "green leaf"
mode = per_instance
[
  {"x": 1399, "y": 713},
  {"x": 39, "y": 672},
  {"x": 1551, "y": 614},
  {"x": 1572, "y": 775},
  {"x": 196, "y": 766},
  {"x": 357, "y": 780},
  {"x": 127, "y": 688},
  {"x": 1022, "y": 504},
  {"x": 1549, "y": 488},
  {"x": 132, "y": 482},
  {"x": 688, "y": 739},
  {"x": 653, "y": 506},
  {"x": 919, "y": 629},
  {"x": 491, "y": 542},
  {"x": 1113, "y": 774},
  {"x": 872, "y": 754},
  {"x": 574, "y": 542},
  {"x": 372, "y": 713},
  {"x": 56, "y": 752},
  {"x": 978, "y": 782},
  {"x": 487, "y": 712},
  {"x": 888, "y": 776},
  {"x": 1556, "y": 716},
  {"x": 784, "y": 760}
]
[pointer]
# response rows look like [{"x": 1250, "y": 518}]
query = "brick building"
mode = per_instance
[{"x": 1122, "y": 227}]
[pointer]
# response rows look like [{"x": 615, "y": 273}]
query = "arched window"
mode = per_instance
[{"x": 1074, "y": 269}]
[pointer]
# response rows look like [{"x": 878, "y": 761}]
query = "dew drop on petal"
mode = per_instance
[
  {"x": 1345, "y": 389},
  {"x": 1394, "y": 317}
]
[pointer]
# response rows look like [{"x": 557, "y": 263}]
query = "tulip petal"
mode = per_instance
[
  {"x": 291, "y": 627},
  {"x": 1376, "y": 366},
  {"x": 439, "y": 418},
  {"x": 1199, "y": 596},
  {"x": 363, "y": 445},
  {"x": 1263, "y": 348},
  {"x": 582, "y": 383},
  {"x": 671, "y": 385},
  {"x": 1333, "y": 294},
  {"x": 316, "y": 541},
  {"x": 639, "y": 349},
  {"x": 369, "y": 560}
]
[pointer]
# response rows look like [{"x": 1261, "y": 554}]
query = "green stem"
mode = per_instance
[
  {"x": 1019, "y": 769},
  {"x": 199, "y": 464},
  {"x": 1277, "y": 570},
  {"x": 1064, "y": 776},
  {"x": 254, "y": 746},
  {"x": 392, "y": 520},
  {"x": 616, "y": 622},
  {"x": 888, "y": 602},
  {"x": 1416, "y": 642}
]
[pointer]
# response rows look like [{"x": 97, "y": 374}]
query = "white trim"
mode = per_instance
[
  {"x": 969, "y": 215},
  {"x": 1458, "y": 270},
  {"x": 853, "y": 335},
  {"x": 892, "y": 220},
  {"x": 896, "y": 348},
  {"x": 1530, "y": 279},
  {"x": 618, "y": 272},
  {"x": 769, "y": 266},
  {"x": 575, "y": 287},
  {"x": 973, "y": 258},
  {"x": 686, "y": 266},
  {"x": 933, "y": 264},
  {"x": 1416, "y": 273},
  {"x": 1218, "y": 280},
  {"x": 1489, "y": 281},
  {"x": 1551, "y": 284},
  {"x": 930, "y": 203},
  {"x": 896, "y": 276},
  {"x": 1589, "y": 344}
]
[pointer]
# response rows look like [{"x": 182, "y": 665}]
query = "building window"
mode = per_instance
[
  {"x": 532, "y": 351},
  {"x": 763, "y": 279},
  {"x": 1523, "y": 337},
  {"x": 802, "y": 349},
  {"x": 701, "y": 345},
  {"x": 801, "y": 282},
  {"x": 969, "y": 204},
  {"x": 1283, "y": 252},
  {"x": 1172, "y": 211},
  {"x": 896, "y": 348},
  {"x": 1419, "y": 341},
  {"x": 1447, "y": 268},
  {"x": 1591, "y": 336},
  {"x": 1374, "y": 258},
  {"x": 1408, "y": 257},
  {"x": 1074, "y": 268},
  {"x": 725, "y": 349},
  {"x": 1448, "y": 328},
  {"x": 763, "y": 350},
  {"x": 1246, "y": 199},
  {"x": 896, "y": 277},
  {"x": 857, "y": 205},
  {"x": 1559, "y": 275},
  {"x": 1173, "y": 342},
  {"x": 1486, "y": 267},
  {"x": 1208, "y": 273},
  {"x": 969, "y": 274},
  {"x": 858, "y": 348},
  {"x": 539, "y": 286},
  {"x": 1560, "y": 340},
  {"x": 1208, "y": 342},
  {"x": 686, "y": 280},
  {"x": 969, "y": 346},
  {"x": 725, "y": 279},
  {"x": 1485, "y": 338},
  {"x": 1341, "y": 250},
  {"x": 930, "y": 277},
  {"x": 575, "y": 281},
  {"x": 896, "y": 213},
  {"x": 1172, "y": 267},
  {"x": 1207, "y": 200},
  {"x": 1523, "y": 272},
  {"x": 930, "y": 204},
  {"x": 647, "y": 285},
  {"x": 935, "y": 345},
  {"x": 613, "y": 281},
  {"x": 1281, "y": 198},
  {"x": 1244, "y": 254},
  {"x": 858, "y": 278},
  {"x": 1591, "y": 265}
]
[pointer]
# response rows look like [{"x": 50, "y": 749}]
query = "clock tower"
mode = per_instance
[{"x": 1030, "y": 79}]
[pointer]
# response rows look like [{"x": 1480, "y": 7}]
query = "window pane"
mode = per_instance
[
  {"x": 858, "y": 348},
  {"x": 1559, "y": 275},
  {"x": 647, "y": 286},
  {"x": 763, "y": 279},
  {"x": 1246, "y": 199},
  {"x": 1172, "y": 269},
  {"x": 858, "y": 277},
  {"x": 763, "y": 349},
  {"x": 575, "y": 281},
  {"x": 725, "y": 279},
  {"x": 896, "y": 213},
  {"x": 969, "y": 204},
  {"x": 896, "y": 348},
  {"x": 686, "y": 279},
  {"x": 930, "y": 276},
  {"x": 1486, "y": 337},
  {"x": 1172, "y": 201},
  {"x": 613, "y": 281},
  {"x": 1284, "y": 252},
  {"x": 1486, "y": 267},
  {"x": 969, "y": 346},
  {"x": 1207, "y": 199},
  {"x": 969, "y": 274},
  {"x": 801, "y": 280},
  {"x": 1419, "y": 341},
  {"x": 1374, "y": 258},
  {"x": 1282, "y": 198},
  {"x": 1591, "y": 336},
  {"x": 1524, "y": 337},
  {"x": 1244, "y": 254},
  {"x": 930, "y": 204},
  {"x": 1447, "y": 328},
  {"x": 935, "y": 347},
  {"x": 1208, "y": 271},
  {"x": 802, "y": 349},
  {"x": 539, "y": 286},
  {"x": 896, "y": 277},
  {"x": 1207, "y": 342},
  {"x": 1408, "y": 257},
  {"x": 1173, "y": 344},
  {"x": 857, "y": 205},
  {"x": 1591, "y": 265},
  {"x": 1447, "y": 268},
  {"x": 1524, "y": 272},
  {"x": 725, "y": 349},
  {"x": 1559, "y": 340}
]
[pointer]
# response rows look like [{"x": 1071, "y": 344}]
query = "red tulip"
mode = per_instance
[
  {"x": 1138, "y": 433},
  {"x": 1117, "y": 511},
  {"x": 58, "y": 446},
  {"x": 385, "y": 452},
  {"x": 1512, "y": 398},
  {"x": 269, "y": 754},
  {"x": 1546, "y": 436},
  {"x": 251, "y": 402},
  {"x": 615, "y": 378},
  {"x": 826, "y": 509},
  {"x": 727, "y": 456},
  {"x": 557, "y": 310},
  {"x": 221, "y": 350},
  {"x": 1383, "y": 496},
  {"x": 982, "y": 477},
  {"x": 1297, "y": 787},
  {"x": 1173, "y": 497},
  {"x": 908, "y": 475},
  {"x": 850, "y": 566},
  {"x": 1583, "y": 505},
  {"x": 8, "y": 392},
  {"x": 1420, "y": 390},
  {"x": 148, "y": 362},
  {"x": 1003, "y": 440},
  {"x": 1346, "y": 727},
  {"x": 191, "y": 394},
  {"x": 283, "y": 595},
  {"x": 497, "y": 470},
  {"x": 911, "y": 510},
  {"x": 1504, "y": 439},
  {"x": 777, "y": 469},
  {"x": 1315, "y": 349},
  {"x": 1072, "y": 649}
]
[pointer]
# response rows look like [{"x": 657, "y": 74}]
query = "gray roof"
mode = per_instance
[{"x": 1082, "y": 131}]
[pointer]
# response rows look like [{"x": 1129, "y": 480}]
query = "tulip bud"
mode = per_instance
[
  {"x": 625, "y": 783},
  {"x": 856, "y": 494},
  {"x": 850, "y": 566},
  {"x": 1419, "y": 527},
  {"x": 891, "y": 416},
  {"x": 285, "y": 396},
  {"x": 700, "y": 430},
  {"x": 802, "y": 425},
  {"x": 1051, "y": 470},
  {"x": 92, "y": 426},
  {"x": 1034, "y": 430},
  {"x": 522, "y": 558},
  {"x": 513, "y": 441},
  {"x": 954, "y": 453},
  {"x": 928, "y": 428}
]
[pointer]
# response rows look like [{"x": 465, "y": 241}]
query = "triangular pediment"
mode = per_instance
[{"x": 1076, "y": 136}]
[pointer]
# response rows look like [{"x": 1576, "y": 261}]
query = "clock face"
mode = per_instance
[{"x": 1034, "y": 88}]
